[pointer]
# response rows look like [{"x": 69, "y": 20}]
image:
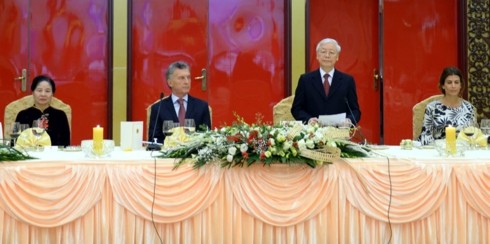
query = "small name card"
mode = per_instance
[{"x": 131, "y": 135}]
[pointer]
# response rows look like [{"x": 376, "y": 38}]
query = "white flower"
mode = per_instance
[
  {"x": 232, "y": 150},
  {"x": 281, "y": 138},
  {"x": 287, "y": 145},
  {"x": 268, "y": 154},
  {"x": 301, "y": 144},
  {"x": 273, "y": 131},
  {"x": 229, "y": 158},
  {"x": 310, "y": 144},
  {"x": 310, "y": 129},
  {"x": 331, "y": 144},
  {"x": 243, "y": 148},
  {"x": 272, "y": 141}
]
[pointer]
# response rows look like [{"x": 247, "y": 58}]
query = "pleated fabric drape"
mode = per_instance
[{"x": 345, "y": 202}]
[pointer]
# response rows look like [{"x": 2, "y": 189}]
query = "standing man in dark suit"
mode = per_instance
[
  {"x": 314, "y": 98},
  {"x": 178, "y": 77}
]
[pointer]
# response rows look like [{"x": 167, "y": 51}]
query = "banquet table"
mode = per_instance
[{"x": 398, "y": 196}]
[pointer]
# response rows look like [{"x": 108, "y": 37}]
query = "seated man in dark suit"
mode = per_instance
[
  {"x": 326, "y": 91},
  {"x": 178, "y": 77}
]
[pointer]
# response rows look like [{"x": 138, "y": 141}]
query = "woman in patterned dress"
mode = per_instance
[{"x": 449, "y": 110}]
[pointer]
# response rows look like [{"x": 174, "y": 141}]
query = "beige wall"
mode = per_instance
[
  {"x": 298, "y": 31},
  {"x": 120, "y": 68}
]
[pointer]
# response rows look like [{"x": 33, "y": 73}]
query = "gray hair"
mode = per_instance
[
  {"x": 328, "y": 40},
  {"x": 175, "y": 65}
]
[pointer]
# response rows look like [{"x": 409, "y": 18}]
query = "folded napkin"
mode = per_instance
[
  {"x": 178, "y": 136},
  {"x": 479, "y": 138},
  {"x": 27, "y": 139}
]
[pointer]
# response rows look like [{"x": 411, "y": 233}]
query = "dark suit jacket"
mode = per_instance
[
  {"x": 310, "y": 99},
  {"x": 197, "y": 109}
]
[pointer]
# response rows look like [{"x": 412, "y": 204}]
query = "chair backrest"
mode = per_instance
[
  {"x": 13, "y": 108},
  {"x": 148, "y": 113},
  {"x": 282, "y": 110},
  {"x": 418, "y": 114}
]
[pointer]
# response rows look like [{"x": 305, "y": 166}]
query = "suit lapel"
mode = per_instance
[
  {"x": 317, "y": 83},
  {"x": 189, "y": 110},
  {"x": 336, "y": 82},
  {"x": 169, "y": 107}
]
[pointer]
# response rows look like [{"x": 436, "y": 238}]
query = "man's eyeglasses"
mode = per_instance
[{"x": 327, "y": 53}]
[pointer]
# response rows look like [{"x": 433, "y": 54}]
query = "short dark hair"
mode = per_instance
[
  {"x": 447, "y": 72},
  {"x": 175, "y": 65},
  {"x": 38, "y": 79}
]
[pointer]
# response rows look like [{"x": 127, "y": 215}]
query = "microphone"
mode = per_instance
[
  {"x": 363, "y": 138},
  {"x": 154, "y": 145}
]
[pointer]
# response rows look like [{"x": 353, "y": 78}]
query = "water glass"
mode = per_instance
[
  {"x": 189, "y": 126},
  {"x": 485, "y": 126},
  {"x": 37, "y": 130}
]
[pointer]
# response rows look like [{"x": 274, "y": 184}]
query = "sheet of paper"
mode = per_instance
[
  {"x": 291, "y": 122},
  {"x": 332, "y": 119}
]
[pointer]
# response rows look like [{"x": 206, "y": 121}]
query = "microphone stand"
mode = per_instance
[{"x": 154, "y": 145}]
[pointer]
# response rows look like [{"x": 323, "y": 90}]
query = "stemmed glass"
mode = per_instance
[
  {"x": 470, "y": 131},
  {"x": 485, "y": 126},
  {"x": 24, "y": 127},
  {"x": 37, "y": 130},
  {"x": 14, "y": 132},
  {"x": 189, "y": 126},
  {"x": 168, "y": 126}
]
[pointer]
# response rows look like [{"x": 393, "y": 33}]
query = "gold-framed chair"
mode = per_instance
[
  {"x": 13, "y": 108},
  {"x": 148, "y": 113},
  {"x": 282, "y": 110},
  {"x": 418, "y": 112}
]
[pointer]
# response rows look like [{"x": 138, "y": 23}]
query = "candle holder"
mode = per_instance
[
  {"x": 88, "y": 149},
  {"x": 441, "y": 147}
]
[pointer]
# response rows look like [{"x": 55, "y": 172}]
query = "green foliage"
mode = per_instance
[{"x": 12, "y": 154}]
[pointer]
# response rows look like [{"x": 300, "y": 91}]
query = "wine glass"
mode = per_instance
[
  {"x": 24, "y": 127},
  {"x": 168, "y": 126},
  {"x": 14, "y": 132},
  {"x": 469, "y": 132},
  {"x": 37, "y": 130},
  {"x": 189, "y": 126}
]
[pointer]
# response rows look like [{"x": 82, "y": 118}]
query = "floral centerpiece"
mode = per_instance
[
  {"x": 243, "y": 144},
  {"x": 11, "y": 154}
]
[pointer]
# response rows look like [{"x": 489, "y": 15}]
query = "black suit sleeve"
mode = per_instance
[{"x": 299, "y": 103}]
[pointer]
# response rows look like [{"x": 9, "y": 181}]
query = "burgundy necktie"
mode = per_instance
[
  {"x": 326, "y": 85},
  {"x": 181, "y": 112}
]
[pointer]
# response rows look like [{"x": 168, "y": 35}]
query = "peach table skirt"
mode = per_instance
[{"x": 433, "y": 201}]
